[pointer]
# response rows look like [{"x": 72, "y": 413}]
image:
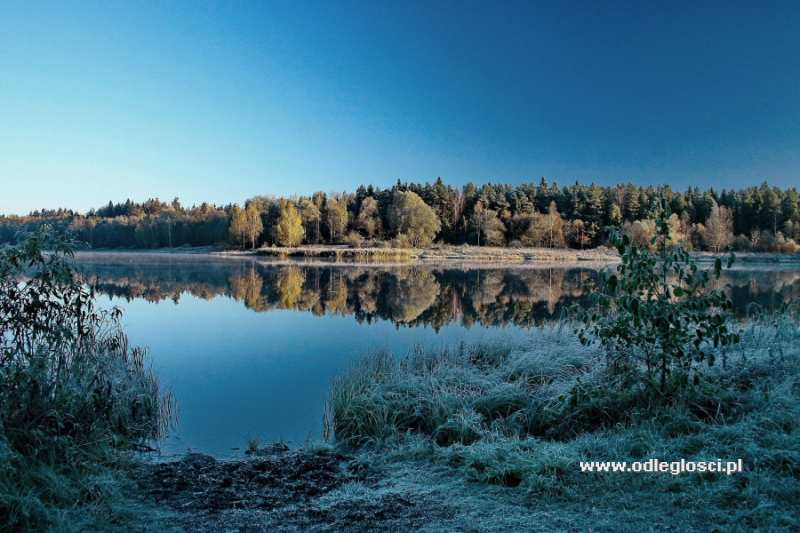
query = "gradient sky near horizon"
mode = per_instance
[{"x": 225, "y": 100}]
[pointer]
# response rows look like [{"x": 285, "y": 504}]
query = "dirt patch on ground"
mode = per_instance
[
  {"x": 265, "y": 481},
  {"x": 328, "y": 491},
  {"x": 278, "y": 489}
]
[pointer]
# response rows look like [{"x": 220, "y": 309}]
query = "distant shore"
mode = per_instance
[
  {"x": 344, "y": 254},
  {"x": 441, "y": 254},
  {"x": 436, "y": 254},
  {"x": 750, "y": 258}
]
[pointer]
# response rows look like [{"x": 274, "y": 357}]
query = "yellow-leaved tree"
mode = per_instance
[{"x": 289, "y": 229}]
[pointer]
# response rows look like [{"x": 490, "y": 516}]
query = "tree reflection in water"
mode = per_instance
[{"x": 409, "y": 295}]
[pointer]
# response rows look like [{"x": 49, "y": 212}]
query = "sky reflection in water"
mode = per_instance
[{"x": 250, "y": 350}]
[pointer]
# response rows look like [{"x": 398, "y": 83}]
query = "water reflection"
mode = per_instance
[
  {"x": 252, "y": 348},
  {"x": 407, "y": 296}
]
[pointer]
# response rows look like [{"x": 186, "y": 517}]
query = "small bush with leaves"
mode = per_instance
[
  {"x": 656, "y": 316},
  {"x": 71, "y": 389}
]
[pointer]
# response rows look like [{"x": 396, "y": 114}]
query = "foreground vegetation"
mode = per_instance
[
  {"x": 74, "y": 397},
  {"x": 761, "y": 219},
  {"x": 524, "y": 417},
  {"x": 660, "y": 371}
]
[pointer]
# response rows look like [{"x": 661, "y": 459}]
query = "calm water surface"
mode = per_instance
[{"x": 250, "y": 349}]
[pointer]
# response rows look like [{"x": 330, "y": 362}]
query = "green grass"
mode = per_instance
[{"x": 509, "y": 416}]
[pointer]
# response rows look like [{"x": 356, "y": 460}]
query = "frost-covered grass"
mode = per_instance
[
  {"x": 64, "y": 456},
  {"x": 75, "y": 398},
  {"x": 510, "y": 416}
]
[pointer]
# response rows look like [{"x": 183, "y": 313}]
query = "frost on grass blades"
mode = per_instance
[
  {"x": 73, "y": 394},
  {"x": 510, "y": 416},
  {"x": 661, "y": 374}
]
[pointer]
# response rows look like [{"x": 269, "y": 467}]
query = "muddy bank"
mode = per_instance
[
  {"x": 330, "y": 491},
  {"x": 277, "y": 489},
  {"x": 272, "y": 479}
]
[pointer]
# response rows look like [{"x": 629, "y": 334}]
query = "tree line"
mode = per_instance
[{"x": 543, "y": 214}]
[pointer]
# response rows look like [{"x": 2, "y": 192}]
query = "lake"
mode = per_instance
[{"x": 249, "y": 349}]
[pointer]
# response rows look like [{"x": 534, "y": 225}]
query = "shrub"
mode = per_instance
[
  {"x": 742, "y": 244},
  {"x": 354, "y": 239},
  {"x": 657, "y": 311},
  {"x": 72, "y": 391},
  {"x": 789, "y": 246}
]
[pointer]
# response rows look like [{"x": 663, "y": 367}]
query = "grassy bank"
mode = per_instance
[
  {"x": 490, "y": 437},
  {"x": 341, "y": 253},
  {"x": 75, "y": 399},
  {"x": 523, "y": 417},
  {"x": 753, "y": 258},
  {"x": 435, "y": 254}
]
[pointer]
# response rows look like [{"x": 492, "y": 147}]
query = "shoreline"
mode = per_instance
[
  {"x": 450, "y": 473},
  {"x": 754, "y": 258},
  {"x": 321, "y": 488},
  {"x": 466, "y": 256}
]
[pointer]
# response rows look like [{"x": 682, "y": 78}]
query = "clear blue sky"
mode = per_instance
[{"x": 226, "y": 100}]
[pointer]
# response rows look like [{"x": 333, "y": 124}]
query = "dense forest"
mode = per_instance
[{"x": 760, "y": 218}]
